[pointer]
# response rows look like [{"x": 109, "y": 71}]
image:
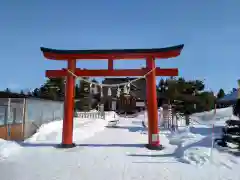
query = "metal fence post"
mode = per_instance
[
  {"x": 8, "y": 119},
  {"x": 53, "y": 115},
  {"x": 23, "y": 118}
]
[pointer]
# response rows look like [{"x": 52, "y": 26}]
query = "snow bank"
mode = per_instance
[
  {"x": 111, "y": 115},
  {"x": 52, "y": 132},
  {"x": 191, "y": 148},
  {"x": 88, "y": 129},
  {"x": 194, "y": 143},
  {"x": 82, "y": 128},
  {"x": 8, "y": 148},
  {"x": 207, "y": 118},
  {"x": 210, "y": 117}
]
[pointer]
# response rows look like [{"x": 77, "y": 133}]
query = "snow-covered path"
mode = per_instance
[{"x": 119, "y": 153}]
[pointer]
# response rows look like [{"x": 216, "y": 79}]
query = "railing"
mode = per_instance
[
  {"x": 171, "y": 120},
  {"x": 92, "y": 115}
]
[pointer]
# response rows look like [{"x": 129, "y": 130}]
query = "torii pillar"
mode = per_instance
[
  {"x": 152, "y": 108},
  {"x": 67, "y": 132}
]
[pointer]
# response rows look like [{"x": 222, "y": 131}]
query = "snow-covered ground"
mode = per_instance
[{"x": 119, "y": 153}]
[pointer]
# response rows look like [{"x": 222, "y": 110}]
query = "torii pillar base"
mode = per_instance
[
  {"x": 156, "y": 148},
  {"x": 66, "y": 146}
]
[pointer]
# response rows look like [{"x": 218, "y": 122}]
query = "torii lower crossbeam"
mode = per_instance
[{"x": 114, "y": 72}]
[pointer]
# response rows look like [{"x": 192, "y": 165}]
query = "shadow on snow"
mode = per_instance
[
  {"x": 205, "y": 131},
  {"x": 131, "y": 128},
  {"x": 178, "y": 153},
  {"x": 55, "y": 145}
]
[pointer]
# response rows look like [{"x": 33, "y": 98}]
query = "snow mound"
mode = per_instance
[
  {"x": 8, "y": 148},
  {"x": 197, "y": 155},
  {"x": 52, "y": 132},
  {"x": 190, "y": 148},
  {"x": 82, "y": 128},
  {"x": 184, "y": 136},
  {"x": 89, "y": 129},
  {"x": 111, "y": 115},
  {"x": 194, "y": 143},
  {"x": 210, "y": 117}
]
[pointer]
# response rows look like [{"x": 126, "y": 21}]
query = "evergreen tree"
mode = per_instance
[
  {"x": 220, "y": 94},
  {"x": 188, "y": 96},
  {"x": 36, "y": 92},
  {"x": 97, "y": 94},
  {"x": 84, "y": 91},
  {"x": 52, "y": 89},
  {"x": 76, "y": 92},
  {"x": 7, "y": 90},
  {"x": 22, "y": 92},
  {"x": 233, "y": 90}
]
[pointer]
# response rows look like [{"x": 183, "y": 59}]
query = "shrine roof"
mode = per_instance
[{"x": 166, "y": 52}]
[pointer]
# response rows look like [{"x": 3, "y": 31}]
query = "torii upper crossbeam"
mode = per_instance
[{"x": 149, "y": 54}]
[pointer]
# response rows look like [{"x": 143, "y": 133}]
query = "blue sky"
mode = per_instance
[{"x": 208, "y": 28}]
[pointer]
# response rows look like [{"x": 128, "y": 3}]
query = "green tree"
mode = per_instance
[
  {"x": 188, "y": 96},
  {"x": 220, "y": 94},
  {"x": 36, "y": 92},
  {"x": 84, "y": 98},
  {"x": 233, "y": 90},
  {"x": 207, "y": 101},
  {"x": 7, "y": 90},
  {"x": 22, "y": 92},
  {"x": 52, "y": 89}
]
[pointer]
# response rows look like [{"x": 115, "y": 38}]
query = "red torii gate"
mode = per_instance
[{"x": 149, "y": 54}]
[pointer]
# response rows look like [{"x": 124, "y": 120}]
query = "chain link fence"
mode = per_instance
[
  {"x": 11, "y": 118},
  {"x": 21, "y": 117}
]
